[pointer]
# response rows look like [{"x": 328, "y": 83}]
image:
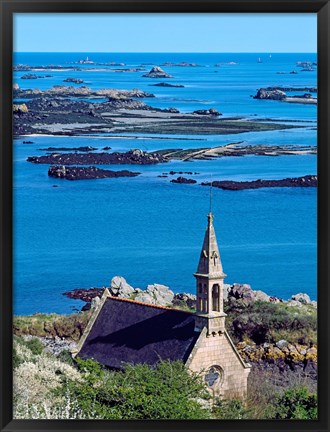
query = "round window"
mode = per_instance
[{"x": 213, "y": 376}]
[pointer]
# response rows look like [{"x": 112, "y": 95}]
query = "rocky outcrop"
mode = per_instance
[
  {"x": 23, "y": 67},
  {"x": 20, "y": 109},
  {"x": 81, "y": 149},
  {"x": 156, "y": 294},
  {"x": 83, "y": 91},
  {"x": 120, "y": 288},
  {"x": 292, "y": 89},
  {"x": 236, "y": 295},
  {"x": 86, "y": 173},
  {"x": 34, "y": 76},
  {"x": 185, "y": 299},
  {"x": 183, "y": 180},
  {"x": 306, "y": 181},
  {"x": 274, "y": 94},
  {"x": 132, "y": 157},
  {"x": 302, "y": 298},
  {"x": 54, "y": 345},
  {"x": 241, "y": 295},
  {"x": 84, "y": 294},
  {"x": 74, "y": 80},
  {"x": 235, "y": 149},
  {"x": 181, "y": 64},
  {"x": 164, "y": 84},
  {"x": 282, "y": 357},
  {"x": 209, "y": 112},
  {"x": 157, "y": 72}
]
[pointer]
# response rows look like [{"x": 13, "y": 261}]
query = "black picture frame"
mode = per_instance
[{"x": 10, "y": 7}]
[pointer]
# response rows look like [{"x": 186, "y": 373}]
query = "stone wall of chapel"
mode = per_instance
[{"x": 218, "y": 351}]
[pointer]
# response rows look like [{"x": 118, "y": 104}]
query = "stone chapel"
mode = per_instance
[{"x": 124, "y": 331}]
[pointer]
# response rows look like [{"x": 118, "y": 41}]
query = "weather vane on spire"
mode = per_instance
[
  {"x": 210, "y": 213},
  {"x": 211, "y": 184}
]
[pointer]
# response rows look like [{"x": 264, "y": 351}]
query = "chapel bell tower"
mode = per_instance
[{"x": 209, "y": 285}]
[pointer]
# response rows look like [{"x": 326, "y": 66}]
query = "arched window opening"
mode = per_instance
[
  {"x": 204, "y": 305},
  {"x": 215, "y": 298}
]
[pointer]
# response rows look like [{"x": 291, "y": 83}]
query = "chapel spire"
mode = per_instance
[
  {"x": 209, "y": 261},
  {"x": 210, "y": 285}
]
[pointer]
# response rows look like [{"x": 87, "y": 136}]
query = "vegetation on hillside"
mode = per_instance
[
  {"x": 270, "y": 322},
  {"x": 258, "y": 322},
  {"x": 49, "y": 387}
]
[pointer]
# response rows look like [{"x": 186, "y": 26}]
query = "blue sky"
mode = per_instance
[{"x": 119, "y": 32}]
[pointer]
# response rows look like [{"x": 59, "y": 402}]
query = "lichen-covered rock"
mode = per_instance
[
  {"x": 20, "y": 109},
  {"x": 120, "y": 288},
  {"x": 162, "y": 294},
  {"x": 261, "y": 296},
  {"x": 95, "y": 302},
  {"x": 281, "y": 344},
  {"x": 302, "y": 298},
  {"x": 144, "y": 297}
]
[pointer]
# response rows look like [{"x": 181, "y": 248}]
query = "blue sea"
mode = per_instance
[{"x": 147, "y": 229}]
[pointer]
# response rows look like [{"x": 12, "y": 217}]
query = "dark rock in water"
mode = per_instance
[
  {"x": 82, "y": 149},
  {"x": 170, "y": 110},
  {"x": 28, "y": 142},
  {"x": 181, "y": 64},
  {"x": 157, "y": 72},
  {"x": 74, "y": 80},
  {"x": 84, "y": 294},
  {"x": 132, "y": 157},
  {"x": 304, "y": 96},
  {"x": 183, "y": 180},
  {"x": 31, "y": 76},
  {"x": 306, "y": 181},
  {"x": 86, "y": 173},
  {"x": 182, "y": 172},
  {"x": 164, "y": 84},
  {"x": 106, "y": 148},
  {"x": 270, "y": 94},
  {"x": 291, "y": 89},
  {"x": 211, "y": 112}
]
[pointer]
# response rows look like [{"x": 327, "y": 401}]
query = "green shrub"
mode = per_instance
[
  {"x": 297, "y": 403},
  {"x": 167, "y": 391},
  {"x": 65, "y": 356},
  {"x": 35, "y": 346}
]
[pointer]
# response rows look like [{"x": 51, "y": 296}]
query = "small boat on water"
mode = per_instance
[{"x": 259, "y": 60}]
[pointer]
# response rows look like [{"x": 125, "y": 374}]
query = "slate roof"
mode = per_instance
[{"x": 130, "y": 332}]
